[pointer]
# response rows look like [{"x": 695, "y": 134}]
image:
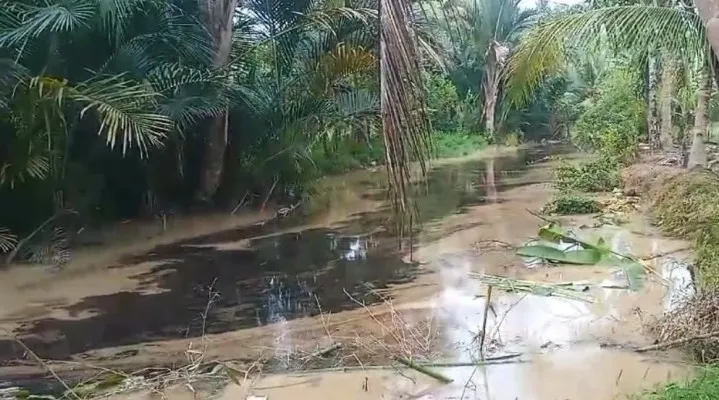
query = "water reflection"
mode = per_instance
[{"x": 262, "y": 277}]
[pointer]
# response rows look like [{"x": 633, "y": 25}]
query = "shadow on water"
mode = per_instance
[{"x": 254, "y": 277}]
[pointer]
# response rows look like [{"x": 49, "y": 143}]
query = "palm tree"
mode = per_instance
[
  {"x": 483, "y": 34},
  {"x": 643, "y": 30},
  {"x": 83, "y": 84}
]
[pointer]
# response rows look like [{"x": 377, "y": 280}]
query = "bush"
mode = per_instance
[
  {"x": 618, "y": 146},
  {"x": 593, "y": 176},
  {"x": 617, "y": 108},
  {"x": 457, "y": 144},
  {"x": 443, "y": 102},
  {"x": 568, "y": 204}
]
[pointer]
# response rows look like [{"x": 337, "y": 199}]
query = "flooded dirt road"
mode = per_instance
[{"x": 283, "y": 291}]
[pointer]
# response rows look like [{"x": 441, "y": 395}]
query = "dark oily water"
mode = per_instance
[{"x": 253, "y": 276}]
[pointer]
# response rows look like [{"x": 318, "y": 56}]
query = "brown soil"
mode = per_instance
[{"x": 641, "y": 179}]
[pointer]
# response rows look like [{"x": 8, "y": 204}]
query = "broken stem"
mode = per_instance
[
  {"x": 423, "y": 370},
  {"x": 484, "y": 320}
]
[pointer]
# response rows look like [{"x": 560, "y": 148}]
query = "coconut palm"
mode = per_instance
[
  {"x": 642, "y": 30},
  {"x": 483, "y": 34}
]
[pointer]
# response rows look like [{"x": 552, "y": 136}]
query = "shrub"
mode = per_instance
[
  {"x": 593, "y": 176},
  {"x": 617, "y": 108},
  {"x": 568, "y": 204},
  {"x": 458, "y": 143}
]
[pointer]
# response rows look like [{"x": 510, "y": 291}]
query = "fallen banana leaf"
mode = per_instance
[
  {"x": 589, "y": 254},
  {"x": 555, "y": 234},
  {"x": 579, "y": 257}
]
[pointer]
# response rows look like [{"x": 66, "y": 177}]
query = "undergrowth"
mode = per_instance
[
  {"x": 568, "y": 204},
  {"x": 599, "y": 175},
  {"x": 458, "y": 143},
  {"x": 703, "y": 387}
]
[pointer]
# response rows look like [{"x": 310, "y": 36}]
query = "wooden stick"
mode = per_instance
[
  {"x": 484, "y": 321},
  {"x": 423, "y": 370},
  {"x": 673, "y": 343},
  {"x": 323, "y": 351}
]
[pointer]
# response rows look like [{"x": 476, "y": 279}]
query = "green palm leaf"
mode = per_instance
[
  {"x": 638, "y": 29},
  {"x": 122, "y": 109},
  {"x": 8, "y": 241},
  {"x": 32, "y": 22}
]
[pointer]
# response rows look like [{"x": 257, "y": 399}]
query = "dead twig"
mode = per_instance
[{"x": 484, "y": 321}]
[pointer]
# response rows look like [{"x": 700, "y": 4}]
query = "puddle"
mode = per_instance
[{"x": 254, "y": 275}]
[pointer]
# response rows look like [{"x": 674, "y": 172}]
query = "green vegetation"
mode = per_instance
[
  {"x": 590, "y": 176},
  {"x": 703, "y": 387},
  {"x": 456, "y": 144},
  {"x": 568, "y": 204},
  {"x": 165, "y": 107}
]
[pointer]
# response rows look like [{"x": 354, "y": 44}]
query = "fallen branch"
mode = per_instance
[
  {"x": 423, "y": 370},
  {"x": 324, "y": 351},
  {"x": 678, "y": 342}
]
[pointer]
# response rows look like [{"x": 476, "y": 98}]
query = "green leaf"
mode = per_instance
[
  {"x": 540, "y": 251},
  {"x": 635, "y": 273},
  {"x": 579, "y": 257},
  {"x": 542, "y": 291}
]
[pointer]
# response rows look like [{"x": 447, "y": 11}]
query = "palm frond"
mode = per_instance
[
  {"x": 121, "y": 107},
  {"x": 343, "y": 61},
  {"x": 51, "y": 247},
  {"x": 356, "y": 103},
  {"x": 33, "y": 22},
  {"x": 405, "y": 121},
  {"x": 638, "y": 29},
  {"x": 8, "y": 241}
]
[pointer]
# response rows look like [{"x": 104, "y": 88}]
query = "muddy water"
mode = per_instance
[
  {"x": 252, "y": 275},
  {"x": 265, "y": 283}
]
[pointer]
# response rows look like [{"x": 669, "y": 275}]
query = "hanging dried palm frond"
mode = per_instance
[{"x": 405, "y": 122}]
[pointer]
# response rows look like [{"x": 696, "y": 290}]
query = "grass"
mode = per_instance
[
  {"x": 458, "y": 144},
  {"x": 703, "y": 387}
]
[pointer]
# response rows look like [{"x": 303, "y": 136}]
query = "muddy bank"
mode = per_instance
[{"x": 474, "y": 213}]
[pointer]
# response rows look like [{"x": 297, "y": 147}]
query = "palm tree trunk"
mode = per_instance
[
  {"x": 708, "y": 11},
  {"x": 667, "y": 91},
  {"x": 219, "y": 19},
  {"x": 653, "y": 128},
  {"x": 496, "y": 58},
  {"x": 698, "y": 152}
]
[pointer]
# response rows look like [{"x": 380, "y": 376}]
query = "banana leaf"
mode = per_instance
[{"x": 552, "y": 254}]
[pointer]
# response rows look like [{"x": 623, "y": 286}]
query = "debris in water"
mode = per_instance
[
  {"x": 536, "y": 288},
  {"x": 557, "y": 245}
]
